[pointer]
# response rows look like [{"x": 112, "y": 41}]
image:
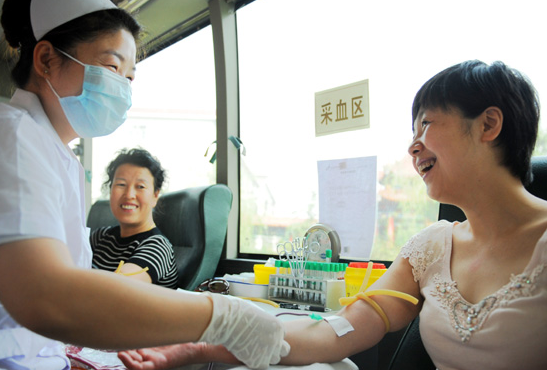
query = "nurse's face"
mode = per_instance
[
  {"x": 115, "y": 52},
  {"x": 132, "y": 199}
]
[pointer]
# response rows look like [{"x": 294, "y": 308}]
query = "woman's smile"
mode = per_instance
[{"x": 133, "y": 198}]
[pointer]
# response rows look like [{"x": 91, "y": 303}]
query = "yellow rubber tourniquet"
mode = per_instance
[
  {"x": 128, "y": 273},
  {"x": 346, "y": 301},
  {"x": 256, "y": 299},
  {"x": 365, "y": 296}
]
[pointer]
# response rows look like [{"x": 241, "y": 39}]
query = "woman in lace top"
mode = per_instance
[{"x": 481, "y": 284}]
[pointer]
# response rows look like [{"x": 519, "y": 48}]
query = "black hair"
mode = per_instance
[
  {"x": 473, "y": 86},
  {"x": 140, "y": 158},
  {"x": 19, "y": 34}
]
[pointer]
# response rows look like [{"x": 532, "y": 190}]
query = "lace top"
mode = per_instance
[{"x": 505, "y": 330}]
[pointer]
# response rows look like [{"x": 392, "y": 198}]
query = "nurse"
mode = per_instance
[{"x": 76, "y": 61}]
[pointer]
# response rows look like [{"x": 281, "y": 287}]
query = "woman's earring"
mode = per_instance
[{"x": 46, "y": 71}]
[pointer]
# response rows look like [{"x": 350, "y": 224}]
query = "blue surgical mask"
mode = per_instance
[{"x": 103, "y": 104}]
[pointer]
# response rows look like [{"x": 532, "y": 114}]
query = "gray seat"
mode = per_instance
[
  {"x": 194, "y": 220},
  {"x": 411, "y": 354}
]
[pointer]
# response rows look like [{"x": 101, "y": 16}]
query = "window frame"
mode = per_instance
[{"x": 223, "y": 19}]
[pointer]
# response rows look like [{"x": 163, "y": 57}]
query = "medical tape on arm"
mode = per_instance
[{"x": 339, "y": 324}]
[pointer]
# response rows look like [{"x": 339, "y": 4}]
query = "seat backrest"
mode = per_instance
[
  {"x": 411, "y": 354},
  {"x": 100, "y": 215},
  {"x": 194, "y": 220}
]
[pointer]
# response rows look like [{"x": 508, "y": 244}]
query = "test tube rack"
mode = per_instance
[{"x": 307, "y": 291}]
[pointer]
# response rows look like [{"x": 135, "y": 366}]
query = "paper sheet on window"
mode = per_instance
[{"x": 347, "y": 202}]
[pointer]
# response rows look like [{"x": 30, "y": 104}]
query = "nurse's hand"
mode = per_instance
[{"x": 253, "y": 336}]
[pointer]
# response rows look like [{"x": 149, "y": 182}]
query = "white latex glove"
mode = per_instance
[{"x": 253, "y": 336}]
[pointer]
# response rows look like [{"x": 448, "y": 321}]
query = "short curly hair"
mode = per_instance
[{"x": 138, "y": 157}]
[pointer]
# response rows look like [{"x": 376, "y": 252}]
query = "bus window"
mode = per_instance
[
  {"x": 289, "y": 50},
  {"x": 173, "y": 115}
]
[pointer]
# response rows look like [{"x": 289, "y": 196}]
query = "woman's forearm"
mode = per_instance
[{"x": 316, "y": 341}]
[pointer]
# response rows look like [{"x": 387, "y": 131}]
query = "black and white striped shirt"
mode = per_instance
[{"x": 148, "y": 249}]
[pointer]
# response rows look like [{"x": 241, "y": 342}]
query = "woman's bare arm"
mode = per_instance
[
  {"x": 169, "y": 357},
  {"x": 312, "y": 341}
]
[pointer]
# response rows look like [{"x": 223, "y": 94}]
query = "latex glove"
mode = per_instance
[{"x": 253, "y": 336}]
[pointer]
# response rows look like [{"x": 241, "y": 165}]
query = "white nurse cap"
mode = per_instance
[{"x": 45, "y": 15}]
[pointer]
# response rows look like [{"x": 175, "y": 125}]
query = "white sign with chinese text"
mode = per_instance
[{"x": 343, "y": 108}]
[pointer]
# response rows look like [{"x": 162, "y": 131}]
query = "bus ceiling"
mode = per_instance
[{"x": 164, "y": 22}]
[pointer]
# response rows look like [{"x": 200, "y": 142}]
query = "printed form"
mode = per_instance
[{"x": 347, "y": 202}]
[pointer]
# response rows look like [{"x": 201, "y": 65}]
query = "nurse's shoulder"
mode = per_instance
[{"x": 23, "y": 117}]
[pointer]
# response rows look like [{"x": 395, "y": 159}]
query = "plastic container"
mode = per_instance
[
  {"x": 364, "y": 265},
  {"x": 241, "y": 289},
  {"x": 262, "y": 273},
  {"x": 355, "y": 275}
]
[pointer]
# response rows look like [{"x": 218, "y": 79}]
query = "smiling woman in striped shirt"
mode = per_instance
[{"x": 136, "y": 247}]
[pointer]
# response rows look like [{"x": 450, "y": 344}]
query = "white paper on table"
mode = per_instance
[
  {"x": 345, "y": 364},
  {"x": 347, "y": 202}
]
